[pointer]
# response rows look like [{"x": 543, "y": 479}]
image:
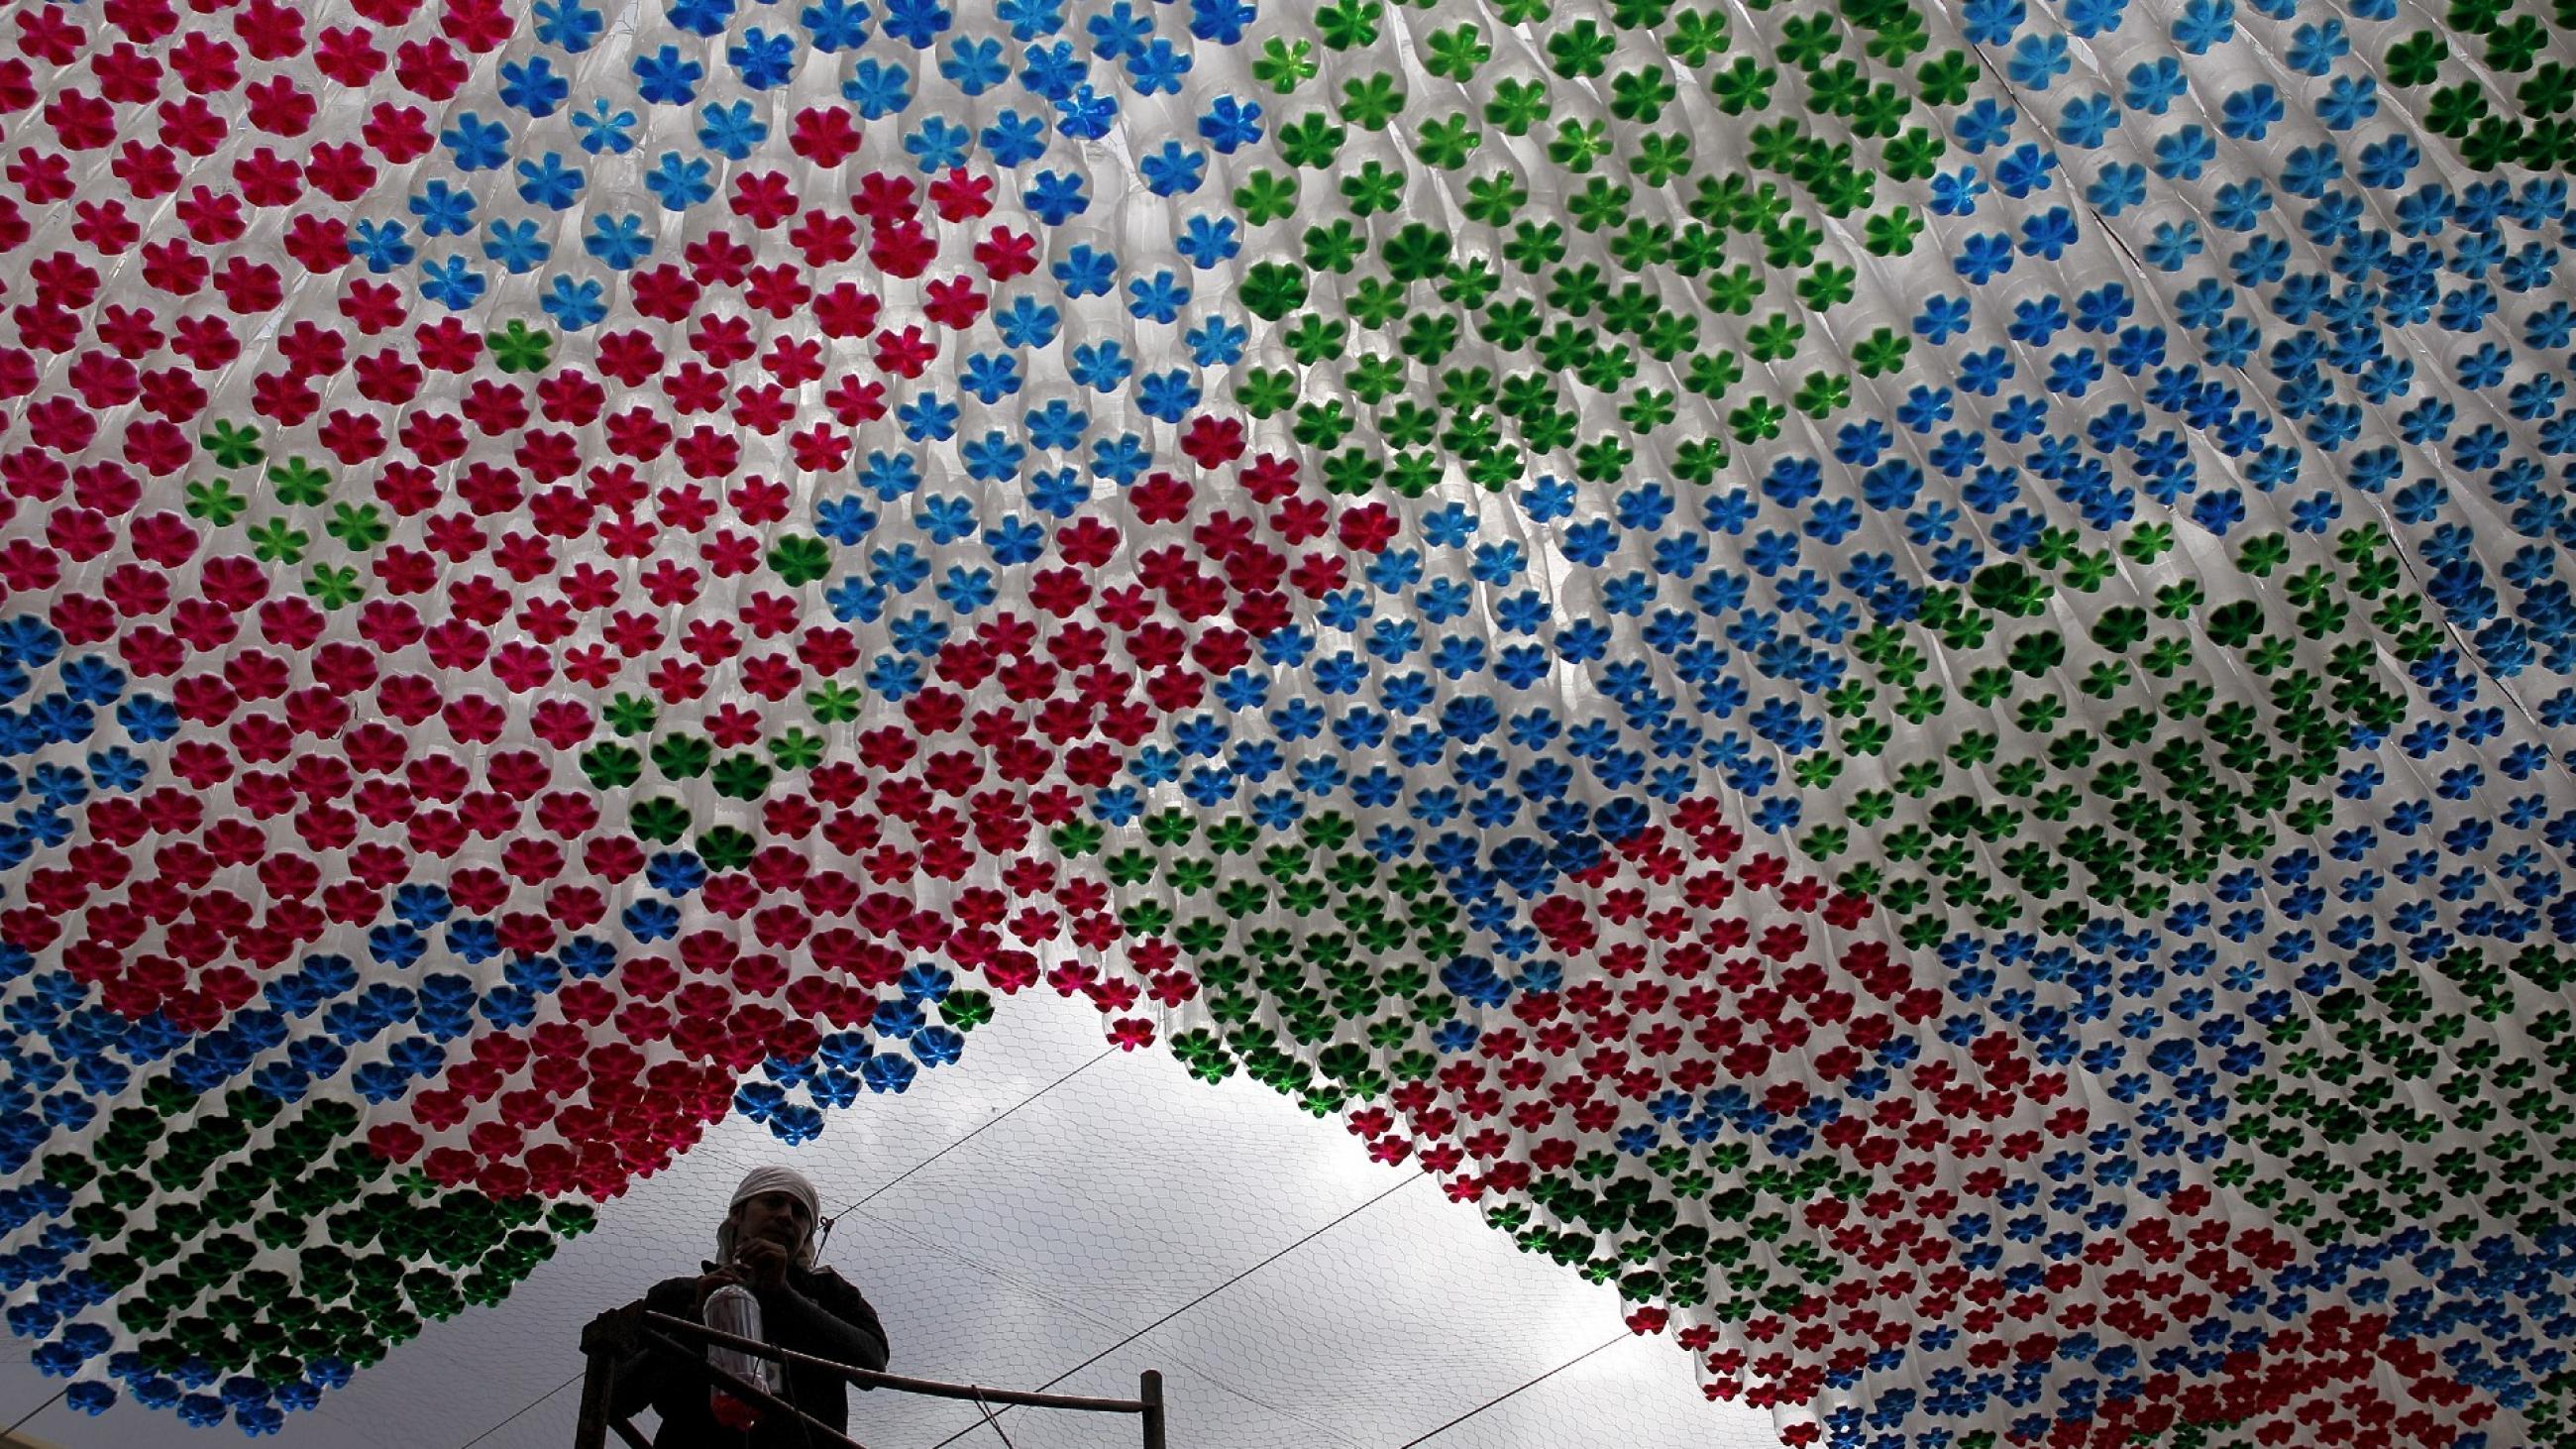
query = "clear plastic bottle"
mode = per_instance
[{"x": 732, "y": 1309}]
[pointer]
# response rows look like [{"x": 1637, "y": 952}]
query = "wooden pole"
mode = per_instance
[
  {"x": 1149, "y": 1392},
  {"x": 601, "y": 1342},
  {"x": 750, "y": 1393},
  {"x": 867, "y": 1378},
  {"x": 618, "y": 1333}
]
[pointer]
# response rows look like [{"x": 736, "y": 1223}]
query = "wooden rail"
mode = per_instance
[{"x": 622, "y": 1332}]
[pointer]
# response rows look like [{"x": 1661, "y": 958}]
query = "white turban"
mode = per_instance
[{"x": 772, "y": 1179}]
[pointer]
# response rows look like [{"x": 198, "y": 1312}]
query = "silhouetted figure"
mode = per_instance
[{"x": 765, "y": 1245}]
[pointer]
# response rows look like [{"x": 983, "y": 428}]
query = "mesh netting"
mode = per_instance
[
  {"x": 1884, "y": 677},
  {"x": 1088, "y": 1213}
]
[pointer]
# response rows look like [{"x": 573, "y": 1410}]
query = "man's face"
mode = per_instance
[{"x": 777, "y": 1216}]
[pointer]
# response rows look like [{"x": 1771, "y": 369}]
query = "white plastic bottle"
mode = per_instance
[{"x": 732, "y": 1309}]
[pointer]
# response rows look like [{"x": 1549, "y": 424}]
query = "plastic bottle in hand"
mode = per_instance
[{"x": 732, "y": 1309}]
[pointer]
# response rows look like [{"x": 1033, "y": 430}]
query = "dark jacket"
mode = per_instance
[{"x": 817, "y": 1312}]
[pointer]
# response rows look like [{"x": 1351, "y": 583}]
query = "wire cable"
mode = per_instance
[
  {"x": 531, "y": 1404},
  {"x": 1498, "y": 1398},
  {"x": 989, "y": 1419},
  {"x": 1200, "y": 1373},
  {"x": 40, "y": 1408},
  {"x": 880, "y": 1191},
  {"x": 889, "y": 1185},
  {"x": 1202, "y": 1298}
]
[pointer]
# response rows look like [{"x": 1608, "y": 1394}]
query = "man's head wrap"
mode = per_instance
[{"x": 765, "y": 1180}]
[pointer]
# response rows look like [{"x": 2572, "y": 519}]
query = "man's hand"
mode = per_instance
[
  {"x": 709, "y": 1283},
  {"x": 762, "y": 1263}
]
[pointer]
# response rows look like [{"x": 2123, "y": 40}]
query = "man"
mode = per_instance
[{"x": 766, "y": 1244}]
